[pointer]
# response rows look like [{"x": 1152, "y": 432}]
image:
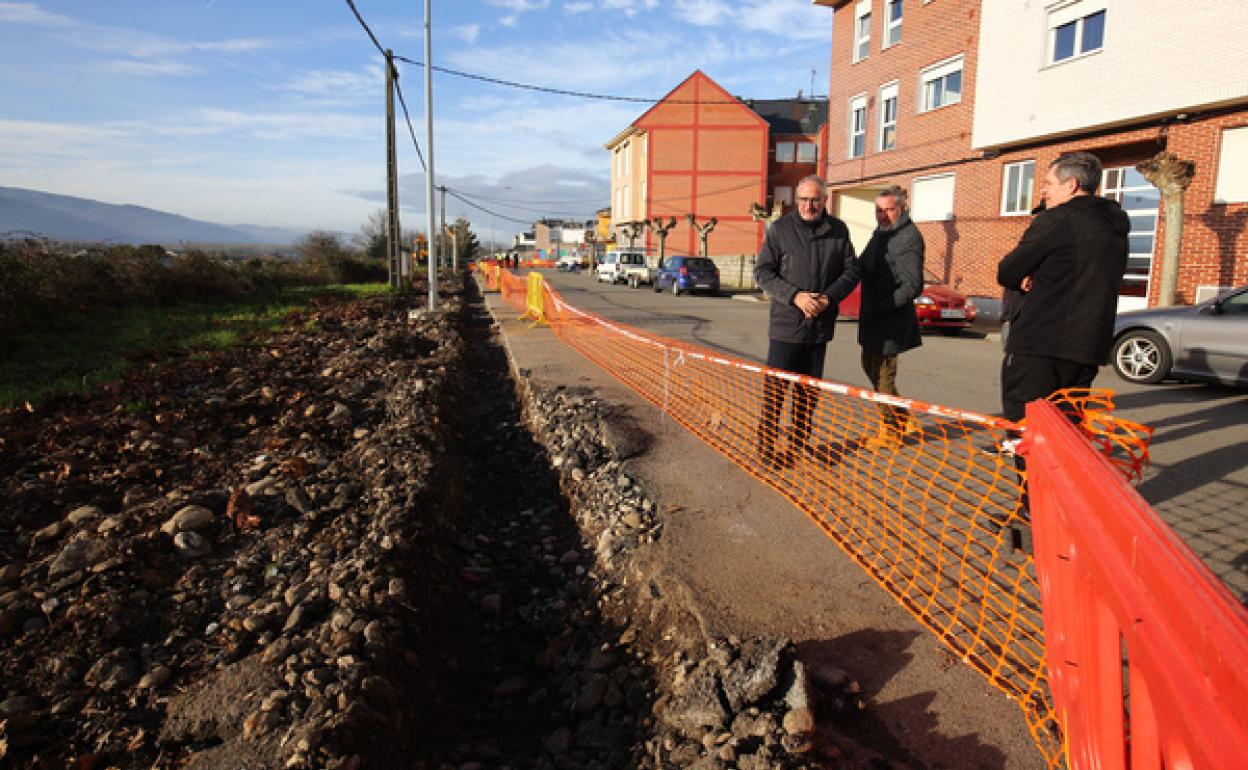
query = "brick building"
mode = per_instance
[
  {"x": 704, "y": 152},
  {"x": 966, "y": 103}
]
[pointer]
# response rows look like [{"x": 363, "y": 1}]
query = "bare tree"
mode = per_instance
[{"x": 1172, "y": 176}]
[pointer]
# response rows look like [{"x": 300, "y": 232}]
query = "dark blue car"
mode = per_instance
[{"x": 687, "y": 274}]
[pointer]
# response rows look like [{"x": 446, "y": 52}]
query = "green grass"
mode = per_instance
[{"x": 86, "y": 350}]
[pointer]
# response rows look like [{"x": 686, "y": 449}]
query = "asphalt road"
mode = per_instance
[{"x": 1198, "y": 478}]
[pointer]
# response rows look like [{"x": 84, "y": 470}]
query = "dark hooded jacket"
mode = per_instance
[
  {"x": 1076, "y": 254},
  {"x": 891, "y": 267},
  {"x": 796, "y": 257}
]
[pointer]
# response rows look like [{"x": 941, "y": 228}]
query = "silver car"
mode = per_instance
[{"x": 1208, "y": 341}]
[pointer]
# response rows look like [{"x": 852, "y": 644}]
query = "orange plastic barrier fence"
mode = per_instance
[
  {"x": 1147, "y": 651},
  {"x": 919, "y": 495}
]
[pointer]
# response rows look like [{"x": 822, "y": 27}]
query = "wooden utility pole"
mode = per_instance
[
  {"x": 392, "y": 179},
  {"x": 1172, "y": 176}
]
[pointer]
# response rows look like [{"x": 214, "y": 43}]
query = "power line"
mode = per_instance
[
  {"x": 395, "y": 71},
  {"x": 465, "y": 201},
  {"x": 403, "y": 103},
  {"x": 582, "y": 94},
  {"x": 380, "y": 49}
]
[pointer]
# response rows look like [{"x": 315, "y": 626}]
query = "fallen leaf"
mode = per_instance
[{"x": 239, "y": 510}]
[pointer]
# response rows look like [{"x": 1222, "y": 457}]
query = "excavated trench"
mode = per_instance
[{"x": 367, "y": 543}]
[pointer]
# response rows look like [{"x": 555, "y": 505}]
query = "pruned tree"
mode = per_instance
[
  {"x": 1172, "y": 176},
  {"x": 662, "y": 229}
]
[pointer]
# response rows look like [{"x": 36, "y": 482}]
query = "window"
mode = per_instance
[
  {"x": 807, "y": 153},
  {"x": 784, "y": 152},
  {"x": 1016, "y": 186},
  {"x": 931, "y": 198},
  {"x": 862, "y": 30},
  {"x": 858, "y": 126},
  {"x": 940, "y": 84},
  {"x": 1074, "y": 30},
  {"x": 892, "y": 22},
  {"x": 1233, "y": 167},
  {"x": 888, "y": 117},
  {"x": 1142, "y": 202},
  {"x": 782, "y": 195}
]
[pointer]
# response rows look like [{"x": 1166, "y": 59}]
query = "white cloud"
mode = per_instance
[
  {"x": 509, "y": 20},
  {"x": 469, "y": 32},
  {"x": 703, "y": 13},
  {"x": 520, "y": 6},
  {"x": 585, "y": 7},
  {"x": 148, "y": 69},
  {"x": 29, "y": 13},
  {"x": 792, "y": 19},
  {"x": 335, "y": 86},
  {"x": 133, "y": 44},
  {"x": 796, "y": 19}
]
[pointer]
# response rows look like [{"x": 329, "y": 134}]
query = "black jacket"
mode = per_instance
[
  {"x": 796, "y": 258},
  {"x": 1076, "y": 254},
  {"x": 891, "y": 267}
]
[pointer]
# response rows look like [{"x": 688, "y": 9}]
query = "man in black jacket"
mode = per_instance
[
  {"x": 807, "y": 267},
  {"x": 1070, "y": 262},
  {"x": 891, "y": 267}
]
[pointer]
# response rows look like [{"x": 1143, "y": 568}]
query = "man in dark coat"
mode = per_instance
[
  {"x": 807, "y": 267},
  {"x": 891, "y": 268},
  {"x": 1070, "y": 262}
]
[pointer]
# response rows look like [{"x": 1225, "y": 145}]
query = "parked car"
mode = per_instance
[
  {"x": 637, "y": 276},
  {"x": 687, "y": 274},
  {"x": 939, "y": 308},
  {"x": 615, "y": 263},
  {"x": 1208, "y": 341},
  {"x": 570, "y": 263}
]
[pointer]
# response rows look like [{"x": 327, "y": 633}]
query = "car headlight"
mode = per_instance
[
  {"x": 924, "y": 300},
  {"x": 970, "y": 305}
]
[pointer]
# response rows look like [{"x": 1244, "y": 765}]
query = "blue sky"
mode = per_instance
[{"x": 272, "y": 113}]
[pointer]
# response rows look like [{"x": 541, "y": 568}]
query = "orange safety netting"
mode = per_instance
[{"x": 921, "y": 496}]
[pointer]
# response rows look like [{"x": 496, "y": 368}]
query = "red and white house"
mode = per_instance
[{"x": 702, "y": 151}]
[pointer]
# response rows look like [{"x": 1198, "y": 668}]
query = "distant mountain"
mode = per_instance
[{"x": 66, "y": 218}]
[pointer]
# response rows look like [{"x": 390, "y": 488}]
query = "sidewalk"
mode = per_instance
[{"x": 757, "y": 565}]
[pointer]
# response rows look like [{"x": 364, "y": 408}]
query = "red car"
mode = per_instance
[{"x": 938, "y": 307}]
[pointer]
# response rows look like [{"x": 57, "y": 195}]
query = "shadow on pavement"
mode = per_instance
[{"x": 904, "y": 729}]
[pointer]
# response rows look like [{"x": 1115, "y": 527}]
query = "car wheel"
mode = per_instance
[
  {"x": 675, "y": 288},
  {"x": 1142, "y": 356}
]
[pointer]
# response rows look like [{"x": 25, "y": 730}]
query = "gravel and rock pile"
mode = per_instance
[{"x": 720, "y": 702}]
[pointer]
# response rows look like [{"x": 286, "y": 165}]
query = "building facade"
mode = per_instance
[
  {"x": 704, "y": 153},
  {"x": 966, "y": 103}
]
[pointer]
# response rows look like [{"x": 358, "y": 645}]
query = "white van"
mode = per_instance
[{"x": 615, "y": 265}]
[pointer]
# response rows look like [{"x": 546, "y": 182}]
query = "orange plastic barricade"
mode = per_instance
[
  {"x": 924, "y": 500},
  {"x": 1147, "y": 650},
  {"x": 917, "y": 494}
]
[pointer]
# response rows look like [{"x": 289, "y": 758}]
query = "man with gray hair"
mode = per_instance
[
  {"x": 1069, "y": 264},
  {"x": 807, "y": 267},
  {"x": 891, "y": 269}
]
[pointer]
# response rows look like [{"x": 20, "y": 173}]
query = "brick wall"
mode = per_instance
[
  {"x": 707, "y": 156},
  {"x": 965, "y": 250}
]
